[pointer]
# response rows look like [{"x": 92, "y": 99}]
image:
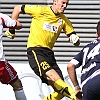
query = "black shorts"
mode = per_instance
[{"x": 42, "y": 60}]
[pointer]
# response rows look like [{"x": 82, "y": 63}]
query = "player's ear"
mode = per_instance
[
  {"x": 97, "y": 35},
  {"x": 54, "y": 1}
]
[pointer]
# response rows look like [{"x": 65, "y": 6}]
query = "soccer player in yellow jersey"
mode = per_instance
[{"x": 47, "y": 23}]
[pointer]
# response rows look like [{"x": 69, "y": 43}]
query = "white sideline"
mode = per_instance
[{"x": 31, "y": 83}]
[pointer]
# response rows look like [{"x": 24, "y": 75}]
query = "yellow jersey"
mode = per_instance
[{"x": 46, "y": 26}]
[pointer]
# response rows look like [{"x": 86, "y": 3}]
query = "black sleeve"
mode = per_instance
[
  {"x": 71, "y": 33},
  {"x": 22, "y": 9}
]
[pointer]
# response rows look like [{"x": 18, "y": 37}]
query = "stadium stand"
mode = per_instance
[{"x": 83, "y": 14}]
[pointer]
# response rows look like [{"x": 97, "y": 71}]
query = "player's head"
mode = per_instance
[
  {"x": 59, "y": 6},
  {"x": 98, "y": 29}
]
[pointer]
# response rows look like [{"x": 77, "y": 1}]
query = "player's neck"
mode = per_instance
[{"x": 54, "y": 10}]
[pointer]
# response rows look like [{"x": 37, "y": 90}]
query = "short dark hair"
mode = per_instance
[{"x": 98, "y": 28}]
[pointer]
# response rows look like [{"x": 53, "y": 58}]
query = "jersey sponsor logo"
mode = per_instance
[
  {"x": 89, "y": 68},
  {"x": 44, "y": 65},
  {"x": 10, "y": 72},
  {"x": 50, "y": 27}
]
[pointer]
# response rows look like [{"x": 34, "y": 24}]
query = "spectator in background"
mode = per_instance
[
  {"x": 7, "y": 73},
  {"x": 89, "y": 59},
  {"x": 47, "y": 23}
]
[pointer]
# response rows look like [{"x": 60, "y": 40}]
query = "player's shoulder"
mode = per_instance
[
  {"x": 65, "y": 18},
  {"x": 2, "y": 15},
  {"x": 36, "y": 6},
  {"x": 92, "y": 44},
  {"x": 45, "y": 8}
]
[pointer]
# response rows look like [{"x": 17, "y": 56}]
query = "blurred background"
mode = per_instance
[{"x": 84, "y": 15}]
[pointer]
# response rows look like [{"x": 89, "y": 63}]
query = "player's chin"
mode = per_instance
[{"x": 61, "y": 11}]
